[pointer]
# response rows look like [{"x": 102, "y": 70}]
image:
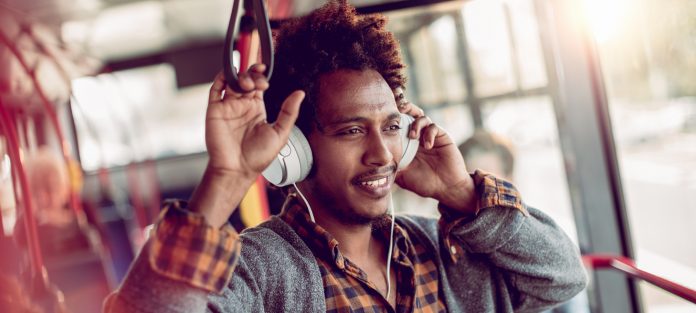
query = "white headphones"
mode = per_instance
[{"x": 295, "y": 158}]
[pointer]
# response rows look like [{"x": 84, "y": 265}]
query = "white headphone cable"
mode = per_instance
[
  {"x": 391, "y": 234},
  {"x": 391, "y": 246},
  {"x": 309, "y": 208}
]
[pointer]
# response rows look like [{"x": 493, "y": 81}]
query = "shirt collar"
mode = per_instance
[{"x": 325, "y": 246}]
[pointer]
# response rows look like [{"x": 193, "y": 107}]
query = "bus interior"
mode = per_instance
[{"x": 596, "y": 101}]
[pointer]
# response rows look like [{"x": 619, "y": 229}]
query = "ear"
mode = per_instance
[{"x": 409, "y": 146}]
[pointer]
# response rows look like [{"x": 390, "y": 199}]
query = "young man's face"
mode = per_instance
[{"x": 356, "y": 145}]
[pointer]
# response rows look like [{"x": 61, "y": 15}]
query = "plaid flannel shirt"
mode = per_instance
[
  {"x": 346, "y": 286},
  {"x": 185, "y": 248}
]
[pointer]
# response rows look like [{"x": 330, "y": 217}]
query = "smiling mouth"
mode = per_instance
[
  {"x": 375, "y": 188},
  {"x": 375, "y": 183}
]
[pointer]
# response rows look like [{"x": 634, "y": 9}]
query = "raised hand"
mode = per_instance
[
  {"x": 240, "y": 142},
  {"x": 438, "y": 169},
  {"x": 238, "y": 138}
]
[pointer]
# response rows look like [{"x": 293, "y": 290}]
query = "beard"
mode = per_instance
[{"x": 343, "y": 213}]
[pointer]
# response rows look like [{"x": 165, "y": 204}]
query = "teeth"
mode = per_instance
[{"x": 375, "y": 183}]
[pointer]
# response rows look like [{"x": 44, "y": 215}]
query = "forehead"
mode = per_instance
[{"x": 352, "y": 92}]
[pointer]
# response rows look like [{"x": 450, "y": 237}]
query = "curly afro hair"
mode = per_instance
[{"x": 330, "y": 38}]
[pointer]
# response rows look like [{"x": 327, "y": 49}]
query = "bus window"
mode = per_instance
[
  {"x": 479, "y": 65},
  {"x": 647, "y": 53}
]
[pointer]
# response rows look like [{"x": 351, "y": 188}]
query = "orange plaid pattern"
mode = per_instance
[
  {"x": 497, "y": 192},
  {"x": 347, "y": 288},
  {"x": 185, "y": 248}
]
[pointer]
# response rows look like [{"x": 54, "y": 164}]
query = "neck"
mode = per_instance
[{"x": 356, "y": 241}]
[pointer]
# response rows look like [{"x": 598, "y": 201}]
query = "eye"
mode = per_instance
[
  {"x": 351, "y": 131},
  {"x": 393, "y": 128}
]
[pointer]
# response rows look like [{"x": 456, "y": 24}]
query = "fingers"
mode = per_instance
[
  {"x": 423, "y": 127},
  {"x": 288, "y": 113},
  {"x": 253, "y": 80},
  {"x": 417, "y": 126},
  {"x": 406, "y": 106},
  {"x": 218, "y": 86},
  {"x": 429, "y": 133},
  {"x": 426, "y": 130},
  {"x": 409, "y": 108},
  {"x": 253, "y": 83}
]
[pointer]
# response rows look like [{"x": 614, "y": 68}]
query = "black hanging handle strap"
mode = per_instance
[{"x": 266, "y": 42}]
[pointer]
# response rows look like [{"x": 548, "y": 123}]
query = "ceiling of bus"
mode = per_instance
[
  {"x": 57, "y": 11},
  {"x": 122, "y": 29},
  {"x": 87, "y": 34}
]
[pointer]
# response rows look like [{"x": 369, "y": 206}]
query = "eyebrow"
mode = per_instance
[{"x": 392, "y": 116}]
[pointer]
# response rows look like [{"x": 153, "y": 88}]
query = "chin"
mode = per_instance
[
  {"x": 362, "y": 216},
  {"x": 351, "y": 207}
]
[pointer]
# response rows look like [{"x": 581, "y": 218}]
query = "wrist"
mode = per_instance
[
  {"x": 228, "y": 177},
  {"x": 218, "y": 194},
  {"x": 461, "y": 197}
]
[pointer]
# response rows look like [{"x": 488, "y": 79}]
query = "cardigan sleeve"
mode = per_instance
[{"x": 541, "y": 265}]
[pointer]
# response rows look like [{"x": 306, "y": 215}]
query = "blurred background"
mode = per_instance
[{"x": 588, "y": 106}]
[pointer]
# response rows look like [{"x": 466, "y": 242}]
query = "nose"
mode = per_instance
[{"x": 377, "y": 152}]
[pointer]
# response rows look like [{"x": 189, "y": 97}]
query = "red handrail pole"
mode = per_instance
[
  {"x": 64, "y": 145},
  {"x": 668, "y": 285},
  {"x": 23, "y": 128},
  {"x": 155, "y": 193},
  {"x": 18, "y": 169},
  {"x": 135, "y": 195},
  {"x": 628, "y": 267},
  {"x": 2, "y": 226},
  {"x": 244, "y": 44}
]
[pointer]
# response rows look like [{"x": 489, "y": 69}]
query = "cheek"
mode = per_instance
[
  {"x": 394, "y": 144},
  {"x": 336, "y": 160}
]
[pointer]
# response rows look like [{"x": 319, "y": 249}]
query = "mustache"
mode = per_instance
[{"x": 376, "y": 171}]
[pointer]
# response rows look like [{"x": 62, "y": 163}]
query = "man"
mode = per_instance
[
  {"x": 488, "y": 252},
  {"x": 489, "y": 152},
  {"x": 57, "y": 227}
]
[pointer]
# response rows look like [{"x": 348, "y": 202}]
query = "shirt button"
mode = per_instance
[
  {"x": 453, "y": 250},
  {"x": 340, "y": 262}
]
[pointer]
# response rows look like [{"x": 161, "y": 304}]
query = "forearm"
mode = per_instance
[
  {"x": 218, "y": 194},
  {"x": 184, "y": 260},
  {"x": 541, "y": 263},
  {"x": 144, "y": 290}
]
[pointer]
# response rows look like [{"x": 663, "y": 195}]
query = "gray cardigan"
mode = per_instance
[{"x": 512, "y": 263}]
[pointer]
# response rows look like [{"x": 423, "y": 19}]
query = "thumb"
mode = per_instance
[{"x": 288, "y": 113}]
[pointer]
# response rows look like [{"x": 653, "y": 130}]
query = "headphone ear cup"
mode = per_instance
[
  {"x": 293, "y": 163},
  {"x": 304, "y": 152},
  {"x": 409, "y": 146}
]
